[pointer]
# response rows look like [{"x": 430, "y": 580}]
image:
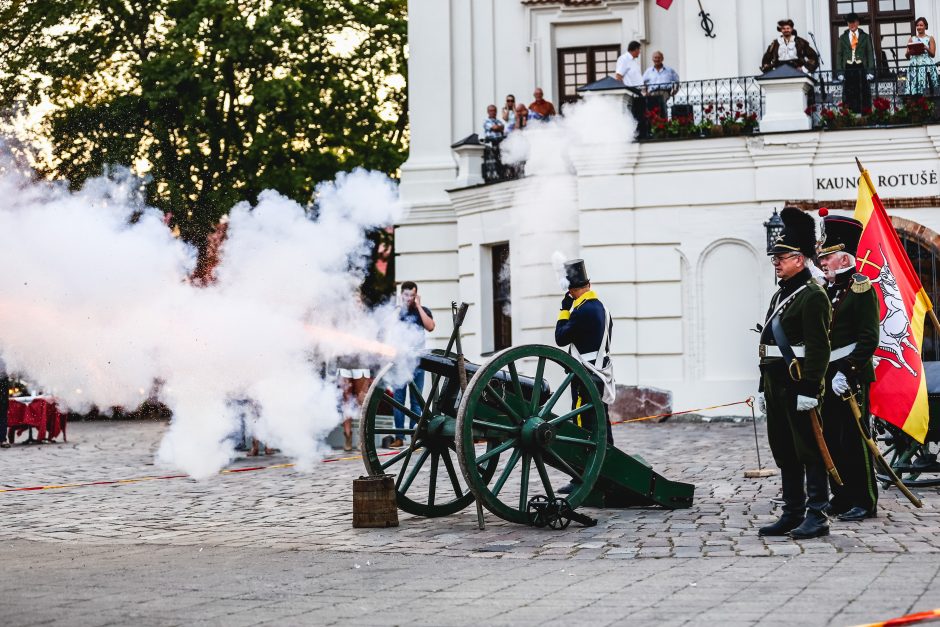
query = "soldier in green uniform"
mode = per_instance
[
  {"x": 794, "y": 356},
  {"x": 853, "y": 336}
]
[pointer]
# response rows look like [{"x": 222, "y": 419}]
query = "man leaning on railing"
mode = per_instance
[{"x": 660, "y": 83}]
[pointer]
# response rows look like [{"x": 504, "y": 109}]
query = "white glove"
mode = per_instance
[
  {"x": 840, "y": 385},
  {"x": 868, "y": 77},
  {"x": 761, "y": 404},
  {"x": 805, "y": 403}
]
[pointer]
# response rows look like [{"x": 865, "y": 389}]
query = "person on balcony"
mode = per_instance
[
  {"x": 628, "y": 66},
  {"x": 788, "y": 49},
  {"x": 660, "y": 83},
  {"x": 855, "y": 65},
  {"x": 508, "y": 114},
  {"x": 494, "y": 129},
  {"x": 922, "y": 70},
  {"x": 541, "y": 109}
]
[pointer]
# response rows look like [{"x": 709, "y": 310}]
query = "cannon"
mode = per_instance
[
  {"x": 502, "y": 424},
  {"x": 914, "y": 463}
]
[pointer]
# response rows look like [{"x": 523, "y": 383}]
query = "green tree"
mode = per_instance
[{"x": 215, "y": 100}]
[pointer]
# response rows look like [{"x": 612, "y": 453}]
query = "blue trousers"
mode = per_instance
[{"x": 414, "y": 404}]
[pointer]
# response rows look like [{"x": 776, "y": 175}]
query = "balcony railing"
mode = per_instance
[
  {"x": 887, "y": 99},
  {"x": 707, "y": 108}
]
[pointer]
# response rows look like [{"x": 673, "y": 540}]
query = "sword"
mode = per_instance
[
  {"x": 794, "y": 370},
  {"x": 857, "y": 412}
]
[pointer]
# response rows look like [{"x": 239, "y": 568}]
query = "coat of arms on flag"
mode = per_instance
[{"x": 899, "y": 394}]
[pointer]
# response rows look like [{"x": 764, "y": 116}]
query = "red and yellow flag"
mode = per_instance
[{"x": 899, "y": 395}]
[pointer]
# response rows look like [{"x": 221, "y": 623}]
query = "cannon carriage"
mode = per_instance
[
  {"x": 490, "y": 433},
  {"x": 915, "y": 463}
]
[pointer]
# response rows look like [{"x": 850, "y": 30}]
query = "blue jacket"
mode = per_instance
[{"x": 583, "y": 326}]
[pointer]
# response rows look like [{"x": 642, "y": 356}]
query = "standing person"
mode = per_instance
[
  {"x": 494, "y": 129},
  {"x": 922, "y": 70},
  {"x": 586, "y": 327},
  {"x": 855, "y": 65},
  {"x": 541, "y": 109},
  {"x": 628, "y": 66},
  {"x": 412, "y": 312},
  {"x": 354, "y": 380},
  {"x": 508, "y": 114},
  {"x": 522, "y": 118},
  {"x": 796, "y": 330},
  {"x": 660, "y": 83},
  {"x": 788, "y": 49},
  {"x": 853, "y": 334}
]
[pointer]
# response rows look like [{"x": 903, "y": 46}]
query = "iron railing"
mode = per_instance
[
  {"x": 884, "y": 100},
  {"x": 699, "y": 108}
]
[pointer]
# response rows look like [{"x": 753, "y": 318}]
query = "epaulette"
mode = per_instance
[{"x": 860, "y": 283}]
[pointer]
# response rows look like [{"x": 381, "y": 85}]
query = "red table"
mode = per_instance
[{"x": 35, "y": 412}]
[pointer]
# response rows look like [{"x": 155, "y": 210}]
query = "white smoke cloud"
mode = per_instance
[{"x": 96, "y": 308}]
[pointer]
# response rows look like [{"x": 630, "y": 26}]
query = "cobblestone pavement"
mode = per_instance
[{"x": 277, "y": 544}]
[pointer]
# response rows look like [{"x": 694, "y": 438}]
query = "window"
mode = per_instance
[
  {"x": 925, "y": 263},
  {"x": 889, "y": 22},
  {"x": 581, "y": 66},
  {"x": 502, "y": 301}
]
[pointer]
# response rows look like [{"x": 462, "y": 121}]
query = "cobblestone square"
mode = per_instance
[{"x": 277, "y": 545}]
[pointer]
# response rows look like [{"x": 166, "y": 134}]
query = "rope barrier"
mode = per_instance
[
  {"x": 227, "y": 471},
  {"x": 909, "y": 619},
  {"x": 749, "y": 401}
]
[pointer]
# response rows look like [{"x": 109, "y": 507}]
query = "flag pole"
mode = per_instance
[{"x": 930, "y": 312}]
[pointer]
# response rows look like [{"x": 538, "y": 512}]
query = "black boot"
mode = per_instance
[
  {"x": 794, "y": 504},
  {"x": 816, "y": 524}
]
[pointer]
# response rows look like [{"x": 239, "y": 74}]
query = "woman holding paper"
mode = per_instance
[{"x": 922, "y": 70}]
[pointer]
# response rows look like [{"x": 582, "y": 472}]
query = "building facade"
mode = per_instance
[{"x": 672, "y": 231}]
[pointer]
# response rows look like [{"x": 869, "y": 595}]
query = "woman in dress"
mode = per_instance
[{"x": 922, "y": 70}]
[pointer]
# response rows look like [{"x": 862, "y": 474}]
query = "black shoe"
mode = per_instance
[
  {"x": 568, "y": 488},
  {"x": 857, "y": 514},
  {"x": 815, "y": 525},
  {"x": 782, "y": 527}
]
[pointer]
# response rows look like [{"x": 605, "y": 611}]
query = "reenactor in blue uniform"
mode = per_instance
[
  {"x": 794, "y": 357},
  {"x": 853, "y": 335},
  {"x": 586, "y": 327}
]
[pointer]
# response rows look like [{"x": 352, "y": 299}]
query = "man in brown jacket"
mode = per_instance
[{"x": 788, "y": 49}]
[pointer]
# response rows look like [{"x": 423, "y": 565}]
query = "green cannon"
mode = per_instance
[{"x": 514, "y": 438}]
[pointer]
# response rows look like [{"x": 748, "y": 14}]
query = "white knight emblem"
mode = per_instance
[{"x": 895, "y": 324}]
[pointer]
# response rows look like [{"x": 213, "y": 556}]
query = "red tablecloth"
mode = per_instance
[{"x": 36, "y": 413}]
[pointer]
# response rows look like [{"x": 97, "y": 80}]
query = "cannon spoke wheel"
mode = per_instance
[
  {"x": 915, "y": 464},
  {"x": 534, "y": 430},
  {"x": 428, "y": 482}
]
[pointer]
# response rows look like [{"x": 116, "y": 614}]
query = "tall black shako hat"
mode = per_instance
[
  {"x": 842, "y": 234},
  {"x": 798, "y": 236},
  {"x": 576, "y": 273}
]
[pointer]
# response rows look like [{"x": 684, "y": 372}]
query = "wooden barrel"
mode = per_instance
[{"x": 374, "y": 502}]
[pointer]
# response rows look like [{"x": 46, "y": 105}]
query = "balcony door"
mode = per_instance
[
  {"x": 584, "y": 65},
  {"x": 889, "y": 22}
]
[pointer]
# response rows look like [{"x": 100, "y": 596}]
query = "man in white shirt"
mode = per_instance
[{"x": 628, "y": 66}]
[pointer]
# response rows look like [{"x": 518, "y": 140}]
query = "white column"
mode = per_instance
[
  {"x": 430, "y": 168},
  {"x": 785, "y": 103}
]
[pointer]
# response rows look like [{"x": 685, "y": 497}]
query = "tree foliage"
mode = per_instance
[{"x": 215, "y": 100}]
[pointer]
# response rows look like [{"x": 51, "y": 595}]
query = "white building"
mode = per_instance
[{"x": 672, "y": 231}]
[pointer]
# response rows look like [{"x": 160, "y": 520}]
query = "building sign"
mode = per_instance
[{"x": 909, "y": 179}]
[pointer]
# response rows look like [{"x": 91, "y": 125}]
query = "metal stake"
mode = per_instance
[{"x": 760, "y": 472}]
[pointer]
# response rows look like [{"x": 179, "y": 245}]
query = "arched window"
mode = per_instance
[{"x": 923, "y": 255}]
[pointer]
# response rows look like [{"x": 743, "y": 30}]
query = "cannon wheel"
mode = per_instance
[
  {"x": 444, "y": 495},
  {"x": 527, "y": 430},
  {"x": 914, "y": 463}
]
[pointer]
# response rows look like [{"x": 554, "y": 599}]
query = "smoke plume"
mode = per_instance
[{"x": 97, "y": 309}]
